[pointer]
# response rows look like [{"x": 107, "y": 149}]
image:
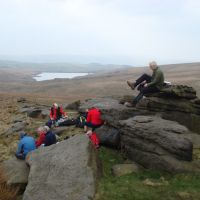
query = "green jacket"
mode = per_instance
[{"x": 157, "y": 79}]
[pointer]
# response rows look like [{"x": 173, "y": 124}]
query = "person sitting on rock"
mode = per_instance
[
  {"x": 147, "y": 84},
  {"x": 56, "y": 113},
  {"x": 93, "y": 119},
  {"x": 41, "y": 132},
  {"x": 93, "y": 138},
  {"x": 50, "y": 137},
  {"x": 26, "y": 145}
]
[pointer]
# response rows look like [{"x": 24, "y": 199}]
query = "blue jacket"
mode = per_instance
[
  {"x": 26, "y": 144},
  {"x": 50, "y": 139}
]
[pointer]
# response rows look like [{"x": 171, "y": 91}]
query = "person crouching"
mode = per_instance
[
  {"x": 93, "y": 119},
  {"x": 25, "y": 145}
]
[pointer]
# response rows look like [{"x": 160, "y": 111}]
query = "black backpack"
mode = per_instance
[{"x": 80, "y": 121}]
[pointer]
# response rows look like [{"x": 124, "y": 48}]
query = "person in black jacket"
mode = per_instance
[{"x": 50, "y": 137}]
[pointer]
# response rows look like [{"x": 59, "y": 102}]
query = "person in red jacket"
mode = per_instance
[
  {"x": 41, "y": 132},
  {"x": 56, "y": 113},
  {"x": 93, "y": 119},
  {"x": 93, "y": 138}
]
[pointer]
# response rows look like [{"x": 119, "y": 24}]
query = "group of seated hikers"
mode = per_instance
[
  {"x": 91, "y": 120},
  {"x": 28, "y": 143}
]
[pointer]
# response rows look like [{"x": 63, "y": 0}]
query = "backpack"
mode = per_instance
[
  {"x": 68, "y": 122},
  {"x": 80, "y": 121}
]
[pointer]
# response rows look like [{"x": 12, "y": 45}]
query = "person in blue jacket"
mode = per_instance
[
  {"x": 26, "y": 144},
  {"x": 50, "y": 137}
]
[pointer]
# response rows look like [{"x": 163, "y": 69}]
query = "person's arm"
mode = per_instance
[
  {"x": 40, "y": 140},
  {"x": 156, "y": 79},
  {"x": 20, "y": 147},
  {"x": 51, "y": 114},
  {"x": 46, "y": 141},
  {"x": 64, "y": 114}
]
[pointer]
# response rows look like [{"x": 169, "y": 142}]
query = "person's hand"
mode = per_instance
[
  {"x": 145, "y": 85},
  {"x": 143, "y": 82},
  {"x": 65, "y": 116}
]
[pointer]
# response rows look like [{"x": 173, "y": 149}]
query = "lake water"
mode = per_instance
[{"x": 50, "y": 76}]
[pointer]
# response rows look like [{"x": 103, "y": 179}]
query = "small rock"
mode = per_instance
[
  {"x": 73, "y": 106},
  {"x": 184, "y": 195},
  {"x": 21, "y": 100},
  {"x": 108, "y": 136},
  {"x": 124, "y": 169},
  {"x": 161, "y": 182},
  {"x": 18, "y": 126}
]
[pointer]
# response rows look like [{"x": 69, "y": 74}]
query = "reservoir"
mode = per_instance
[{"x": 50, "y": 76}]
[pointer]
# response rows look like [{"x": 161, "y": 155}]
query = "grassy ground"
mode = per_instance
[{"x": 133, "y": 187}]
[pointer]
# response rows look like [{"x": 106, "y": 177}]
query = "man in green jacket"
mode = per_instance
[{"x": 147, "y": 84}]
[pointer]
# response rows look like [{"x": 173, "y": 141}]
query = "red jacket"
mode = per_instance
[
  {"x": 40, "y": 140},
  {"x": 56, "y": 113},
  {"x": 94, "y": 139},
  {"x": 94, "y": 116}
]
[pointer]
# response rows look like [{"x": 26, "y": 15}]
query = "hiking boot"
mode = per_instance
[
  {"x": 128, "y": 104},
  {"x": 131, "y": 85}
]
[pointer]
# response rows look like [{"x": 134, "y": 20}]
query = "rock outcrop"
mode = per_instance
[
  {"x": 108, "y": 136},
  {"x": 146, "y": 136},
  {"x": 17, "y": 173},
  {"x": 62, "y": 171},
  {"x": 177, "y": 103},
  {"x": 35, "y": 111},
  {"x": 156, "y": 143}
]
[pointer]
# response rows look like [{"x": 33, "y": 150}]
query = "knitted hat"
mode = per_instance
[{"x": 22, "y": 134}]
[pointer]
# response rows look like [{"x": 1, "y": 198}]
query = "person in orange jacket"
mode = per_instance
[
  {"x": 93, "y": 119},
  {"x": 56, "y": 113}
]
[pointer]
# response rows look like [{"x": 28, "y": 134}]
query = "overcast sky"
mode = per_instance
[{"x": 124, "y": 31}]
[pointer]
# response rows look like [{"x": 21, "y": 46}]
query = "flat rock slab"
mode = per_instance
[{"x": 63, "y": 171}]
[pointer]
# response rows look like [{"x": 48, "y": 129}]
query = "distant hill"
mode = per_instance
[
  {"x": 105, "y": 83},
  {"x": 61, "y": 67}
]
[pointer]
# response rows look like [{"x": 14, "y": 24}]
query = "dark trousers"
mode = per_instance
[
  {"x": 20, "y": 156},
  {"x": 144, "y": 77},
  {"x": 143, "y": 90},
  {"x": 93, "y": 126}
]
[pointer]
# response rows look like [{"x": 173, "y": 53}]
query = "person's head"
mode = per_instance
[
  {"x": 41, "y": 130},
  {"x": 153, "y": 65},
  {"x": 22, "y": 134},
  {"x": 55, "y": 105},
  {"x": 46, "y": 129}
]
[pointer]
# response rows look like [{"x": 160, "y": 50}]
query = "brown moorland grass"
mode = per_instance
[{"x": 6, "y": 192}]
